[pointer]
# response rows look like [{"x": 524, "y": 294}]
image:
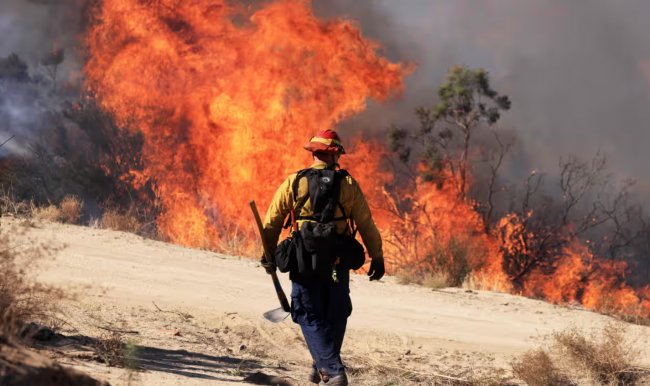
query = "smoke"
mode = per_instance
[
  {"x": 578, "y": 72},
  {"x": 31, "y": 29}
]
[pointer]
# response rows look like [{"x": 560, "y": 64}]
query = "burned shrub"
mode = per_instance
[
  {"x": 12, "y": 68},
  {"x": 607, "y": 355},
  {"x": 601, "y": 356}
]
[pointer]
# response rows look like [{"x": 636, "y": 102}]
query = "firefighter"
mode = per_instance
[{"x": 322, "y": 307}]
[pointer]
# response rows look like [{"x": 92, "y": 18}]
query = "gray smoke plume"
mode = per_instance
[
  {"x": 578, "y": 72},
  {"x": 33, "y": 30}
]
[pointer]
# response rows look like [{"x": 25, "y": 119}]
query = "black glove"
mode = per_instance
[
  {"x": 270, "y": 267},
  {"x": 377, "y": 268}
]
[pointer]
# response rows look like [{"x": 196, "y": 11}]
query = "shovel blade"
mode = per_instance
[{"x": 276, "y": 316}]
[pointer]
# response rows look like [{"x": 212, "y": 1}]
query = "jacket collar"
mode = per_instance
[{"x": 319, "y": 165}]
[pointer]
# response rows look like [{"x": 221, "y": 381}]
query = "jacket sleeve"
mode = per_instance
[
  {"x": 366, "y": 225},
  {"x": 278, "y": 211}
]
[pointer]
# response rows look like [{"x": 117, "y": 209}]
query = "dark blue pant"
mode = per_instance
[{"x": 322, "y": 312}]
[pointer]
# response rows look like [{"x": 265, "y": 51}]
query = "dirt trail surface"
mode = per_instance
[{"x": 216, "y": 301}]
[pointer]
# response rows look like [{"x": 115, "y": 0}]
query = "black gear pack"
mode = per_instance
[{"x": 315, "y": 248}]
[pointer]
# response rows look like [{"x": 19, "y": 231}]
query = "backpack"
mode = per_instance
[{"x": 316, "y": 247}]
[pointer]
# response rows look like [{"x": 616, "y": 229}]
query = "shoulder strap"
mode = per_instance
[
  {"x": 353, "y": 229},
  {"x": 294, "y": 188},
  {"x": 296, "y": 183}
]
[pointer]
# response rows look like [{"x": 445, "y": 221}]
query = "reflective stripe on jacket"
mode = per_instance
[{"x": 352, "y": 200}]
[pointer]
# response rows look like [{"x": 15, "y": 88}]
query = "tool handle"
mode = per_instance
[
  {"x": 293, "y": 220},
  {"x": 276, "y": 282}
]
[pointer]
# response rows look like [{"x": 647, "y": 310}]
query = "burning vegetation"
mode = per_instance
[{"x": 193, "y": 108}]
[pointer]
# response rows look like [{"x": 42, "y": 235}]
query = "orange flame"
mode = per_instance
[
  {"x": 225, "y": 98},
  {"x": 224, "y": 105}
]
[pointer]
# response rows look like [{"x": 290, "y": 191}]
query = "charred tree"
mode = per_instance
[
  {"x": 534, "y": 239},
  {"x": 444, "y": 140},
  {"x": 493, "y": 157},
  {"x": 51, "y": 61}
]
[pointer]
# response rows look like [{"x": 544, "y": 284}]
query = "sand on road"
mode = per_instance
[{"x": 127, "y": 272}]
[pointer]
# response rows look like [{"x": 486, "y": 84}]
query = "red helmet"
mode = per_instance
[{"x": 327, "y": 141}]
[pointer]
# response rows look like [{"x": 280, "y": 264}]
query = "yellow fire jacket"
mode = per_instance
[{"x": 353, "y": 202}]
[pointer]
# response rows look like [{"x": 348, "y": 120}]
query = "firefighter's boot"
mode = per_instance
[
  {"x": 339, "y": 380},
  {"x": 314, "y": 376}
]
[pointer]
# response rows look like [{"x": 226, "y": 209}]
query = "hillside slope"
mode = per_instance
[{"x": 126, "y": 273}]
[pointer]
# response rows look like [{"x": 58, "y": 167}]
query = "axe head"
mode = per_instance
[{"x": 276, "y": 316}]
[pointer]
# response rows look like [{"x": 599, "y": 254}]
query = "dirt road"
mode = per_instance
[{"x": 126, "y": 273}]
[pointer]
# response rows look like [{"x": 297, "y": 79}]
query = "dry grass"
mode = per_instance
[
  {"x": 9, "y": 205},
  {"x": 482, "y": 282},
  {"x": 110, "y": 349},
  {"x": 457, "y": 258},
  {"x": 435, "y": 280},
  {"x": 49, "y": 213},
  {"x": 632, "y": 319},
  {"x": 634, "y": 314},
  {"x": 125, "y": 222},
  {"x": 430, "y": 280},
  {"x": 605, "y": 356},
  {"x": 536, "y": 368},
  {"x": 259, "y": 352},
  {"x": 115, "y": 352},
  {"x": 235, "y": 242},
  {"x": 364, "y": 370},
  {"x": 94, "y": 222},
  {"x": 448, "y": 263},
  {"x": 405, "y": 277},
  {"x": 22, "y": 298},
  {"x": 238, "y": 371},
  {"x": 71, "y": 209},
  {"x": 382, "y": 367}
]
